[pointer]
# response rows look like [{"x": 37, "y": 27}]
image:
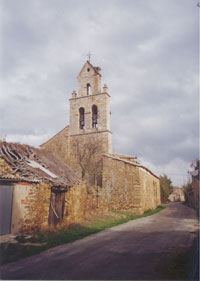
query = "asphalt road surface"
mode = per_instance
[{"x": 130, "y": 251}]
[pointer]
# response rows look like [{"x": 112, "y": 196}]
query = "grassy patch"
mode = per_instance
[{"x": 45, "y": 240}]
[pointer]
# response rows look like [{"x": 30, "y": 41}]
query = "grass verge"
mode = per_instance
[{"x": 41, "y": 241}]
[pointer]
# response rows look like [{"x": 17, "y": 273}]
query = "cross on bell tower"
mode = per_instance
[{"x": 89, "y": 55}]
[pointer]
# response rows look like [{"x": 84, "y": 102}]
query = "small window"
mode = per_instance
[
  {"x": 88, "y": 89},
  {"x": 81, "y": 118},
  {"x": 94, "y": 117},
  {"x": 88, "y": 69}
]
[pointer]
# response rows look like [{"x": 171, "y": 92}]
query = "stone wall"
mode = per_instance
[
  {"x": 30, "y": 207},
  {"x": 150, "y": 189},
  {"x": 121, "y": 183},
  {"x": 21, "y": 193},
  {"x": 126, "y": 186},
  {"x": 84, "y": 146},
  {"x": 59, "y": 144},
  {"x": 82, "y": 202},
  {"x": 32, "y": 202},
  {"x": 129, "y": 186},
  {"x": 89, "y": 75},
  {"x": 65, "y": 146},
  {"x": 37, "y": 204},
  {"x": 103, "y": 106},
  {"x": 4, "y": 167}
]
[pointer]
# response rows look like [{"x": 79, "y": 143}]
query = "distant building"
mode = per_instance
[{"x": 177, "y": 194}]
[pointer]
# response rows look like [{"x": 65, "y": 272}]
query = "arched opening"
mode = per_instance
[
  {"x": 94, "y": 117},
  {"x": 82, "y": 118},
  {"x": 88, "y": 89}
]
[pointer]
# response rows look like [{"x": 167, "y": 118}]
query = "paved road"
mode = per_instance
[{"x": 129, "y": 251}]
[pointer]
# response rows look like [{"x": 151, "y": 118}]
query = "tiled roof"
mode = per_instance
[
  {"x": 12, "y": 178},
  {"x": 33, "y": 165}
]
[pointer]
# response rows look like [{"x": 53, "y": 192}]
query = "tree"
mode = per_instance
[
  {"x": 166, "y": 188},
  {"x": 89, "y": 159},
  {"x": 188, "y": 189},
  {"x": 191, "y": 188}
]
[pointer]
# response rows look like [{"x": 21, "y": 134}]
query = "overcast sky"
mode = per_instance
[{"x": 148, "y": 52}]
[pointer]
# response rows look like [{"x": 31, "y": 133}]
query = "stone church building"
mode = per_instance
[{"x": 86, "y": 146}]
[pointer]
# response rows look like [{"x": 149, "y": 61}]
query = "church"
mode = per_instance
[{"x": 86, "y": 146}]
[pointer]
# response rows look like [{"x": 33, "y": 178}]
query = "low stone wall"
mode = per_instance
[
  {"x": 81, "y": 202},
  {"x": 121, "y": 185},
  {"x": 125, "y": 186},
  {"x": 129, "y": 186},
  {"x": 150, "y": 189},
  {"x": 37, "y": 204}
]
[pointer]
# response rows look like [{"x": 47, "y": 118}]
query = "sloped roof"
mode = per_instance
[
  {"x": 113, "y": 156},
  {"x": 33, "y": 165},
  {"x": 97, "y": 69},
  {"x": 177, "y": 187},
  {"x": 53, "y": 137},
  {"x": 176, "y": 193}
]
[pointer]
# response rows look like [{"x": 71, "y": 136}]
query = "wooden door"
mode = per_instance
[
  {"x": 6, "y": 197},
  {"x": 56, "y": 209}
]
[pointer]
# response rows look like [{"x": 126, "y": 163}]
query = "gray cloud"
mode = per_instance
[{"x": 148, "y": 52}]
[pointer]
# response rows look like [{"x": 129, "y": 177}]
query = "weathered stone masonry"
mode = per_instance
[
  {"x": 50, "y": 194},
  {"x": 125, "y": 183},
  {"x": 129, "y": 185}
]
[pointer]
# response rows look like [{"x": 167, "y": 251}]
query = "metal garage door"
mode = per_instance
[{"x": 6, "y": 195}]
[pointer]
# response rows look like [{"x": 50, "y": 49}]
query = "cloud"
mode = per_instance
[
  {"x": 148, "y": 52},
  {"x": 177, "y": 169}
]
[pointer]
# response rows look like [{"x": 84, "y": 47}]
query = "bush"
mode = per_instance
[{"x": 165, "y": 188}]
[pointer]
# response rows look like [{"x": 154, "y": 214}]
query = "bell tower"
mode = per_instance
[{"x": 90, "y": 108}]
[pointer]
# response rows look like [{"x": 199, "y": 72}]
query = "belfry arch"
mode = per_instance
[
  {"x": 90, "y": 110},
  {"x": 81, "y": 118},
  {"x": 94, "y": 116},
  {"x": 88, "y": 89}
]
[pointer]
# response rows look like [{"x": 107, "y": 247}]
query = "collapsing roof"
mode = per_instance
[{"x": 33, "y": 165}]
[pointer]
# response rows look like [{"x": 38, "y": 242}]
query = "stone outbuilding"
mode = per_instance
[{"x": 33, "y": 187}]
